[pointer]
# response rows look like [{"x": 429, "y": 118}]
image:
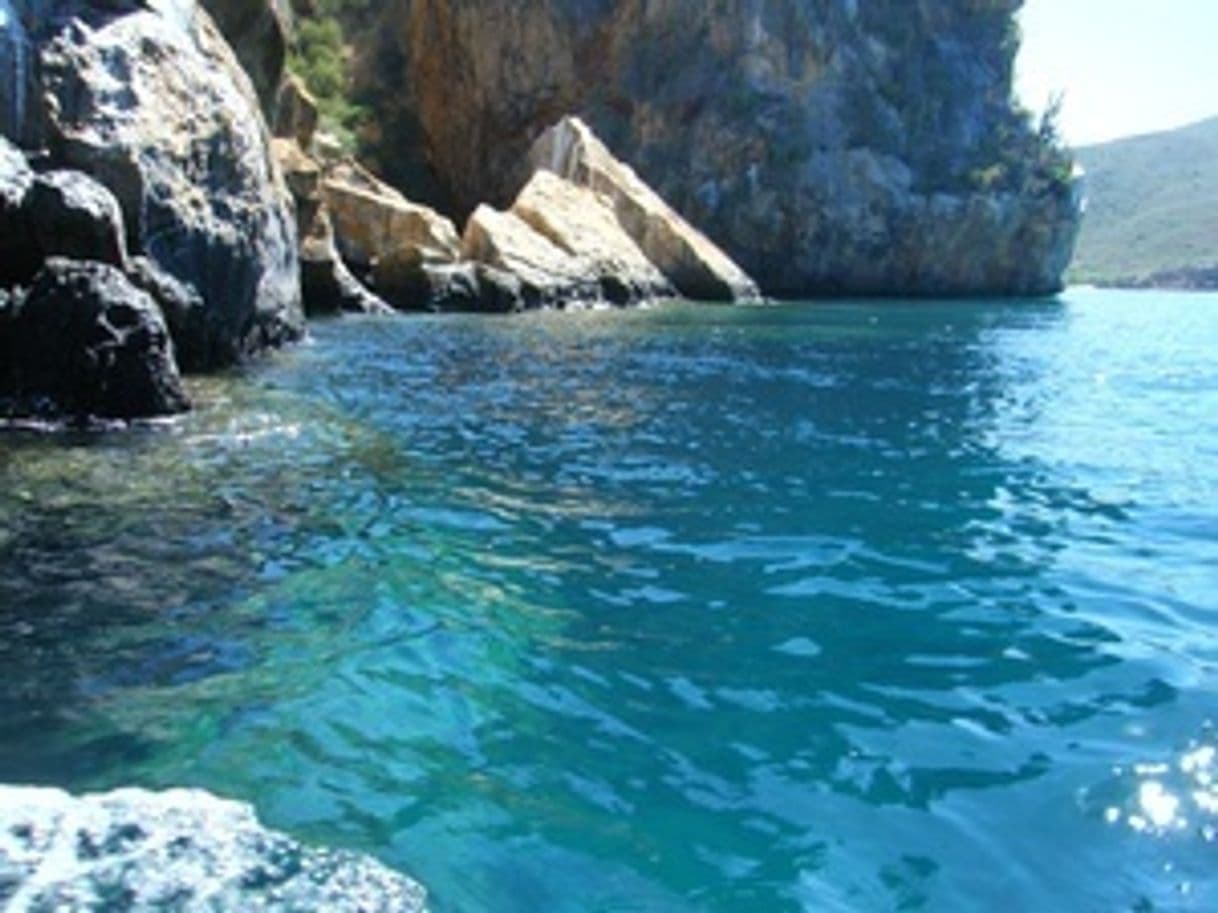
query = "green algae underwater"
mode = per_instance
[{"x": 846, "y": 606}]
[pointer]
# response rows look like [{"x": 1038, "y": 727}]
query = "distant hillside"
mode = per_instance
[{"x": 1152, "y": 214}]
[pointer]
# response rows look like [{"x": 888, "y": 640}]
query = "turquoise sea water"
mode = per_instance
[{"x": 833, "y": 607}]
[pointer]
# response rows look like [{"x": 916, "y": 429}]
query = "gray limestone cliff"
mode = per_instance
[{"x": 859, "y": 146}]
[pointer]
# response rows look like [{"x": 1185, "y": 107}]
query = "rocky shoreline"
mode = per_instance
[
  {"x": 152, "y": 222},
  {"x": 167, "y": 206}
]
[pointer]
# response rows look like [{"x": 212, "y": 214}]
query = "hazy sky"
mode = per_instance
[{"x": 1126, "y": 66}]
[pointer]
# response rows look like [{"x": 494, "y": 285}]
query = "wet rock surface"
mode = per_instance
[
  {"x": 19, "y": 258},
  {"x": 72, "y": 215},
  {"x": 85, "y": 342},
  {"x": 182, "y": 850}
]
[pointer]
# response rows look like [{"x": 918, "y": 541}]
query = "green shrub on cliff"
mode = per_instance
[{"x": 321, "y": 57}]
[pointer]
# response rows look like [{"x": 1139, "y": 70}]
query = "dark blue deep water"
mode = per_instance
[{"x": 832, "y": 607}]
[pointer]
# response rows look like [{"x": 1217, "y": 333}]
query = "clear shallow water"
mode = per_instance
[{"x": 836, "y": 607}]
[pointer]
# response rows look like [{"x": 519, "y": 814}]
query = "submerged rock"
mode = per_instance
[
  {"x": 182, "y": 850},
  {"x": 580, "y": 222},
  {"x": 692, "y": 262},
  {"x": 153, "y": 104},
  {"x": 85, "y": 342}
]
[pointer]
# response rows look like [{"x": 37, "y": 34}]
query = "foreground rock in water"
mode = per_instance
[
  {"x": 152, "y": 103},
  {"x": 693, "y": 264},
  {"x": 85, "y": 342},
  {"x": 826, "y": 145},
  {"x": 182, "y": 850}
]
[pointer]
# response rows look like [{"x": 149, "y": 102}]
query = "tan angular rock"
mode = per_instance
[
  {"x": 385, "y": 235},
  {"x": 549, "y": 276},
  {"x": 690, "y": 260},
  {"x": 582, "y": 223},
  {"x": 326, "y": 284}
]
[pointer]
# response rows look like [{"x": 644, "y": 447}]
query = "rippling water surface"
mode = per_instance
[{"x": 856, "y": 607}]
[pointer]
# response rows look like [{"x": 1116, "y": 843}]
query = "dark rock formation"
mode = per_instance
[
  {"x": 826, "y": 145},
  {"x": 182, "y": 850},
  {"x": 153, "y": 104},
  {"x": 183, "y": 308},
  {"x": 74, "y": 216},
  {"x": 85, "y": 342}
]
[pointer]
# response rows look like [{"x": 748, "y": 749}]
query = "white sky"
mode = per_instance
[{"x": 1125, "y": 66}]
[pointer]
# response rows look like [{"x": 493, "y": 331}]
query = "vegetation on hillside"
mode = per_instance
[
  {"x": 1152, "y": 210},
  {"x": 321, "y": 55}
]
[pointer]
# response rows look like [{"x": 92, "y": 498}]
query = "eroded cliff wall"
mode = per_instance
[{"x": 863, "y": 146}]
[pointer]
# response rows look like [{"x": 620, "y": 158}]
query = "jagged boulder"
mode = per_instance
[
  {"x": 182, "y": 850},
  {"x": 385, "y": 236},
  {"x": 72, "y": 215},
  {"x": 580, "y": 222},
  {"x": 548, "y": 275},
  {"x": 690, "y": 260},
  {"x": 327, "y": 286},
  {"x": 85, "y": 342},
  {"x": 152, "y": 103},
  {"x": 183, "y": 307}
]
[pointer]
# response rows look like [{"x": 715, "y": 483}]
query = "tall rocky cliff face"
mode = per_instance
[{"x": 862, "y": 146}]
